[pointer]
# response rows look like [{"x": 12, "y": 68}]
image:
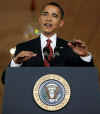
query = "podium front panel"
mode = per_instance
[{"x": 83, "y": 82}]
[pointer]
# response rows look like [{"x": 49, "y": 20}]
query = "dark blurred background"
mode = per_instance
[{"x": 18, "y": 19}]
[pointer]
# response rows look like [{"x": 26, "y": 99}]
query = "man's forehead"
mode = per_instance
[{"x": 51, "y": 8}]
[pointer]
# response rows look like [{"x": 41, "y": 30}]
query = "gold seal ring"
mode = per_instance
[{"x": 51, "y": 92}]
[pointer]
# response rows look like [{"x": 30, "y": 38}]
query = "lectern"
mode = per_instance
[{"x": 55, "y": 90}]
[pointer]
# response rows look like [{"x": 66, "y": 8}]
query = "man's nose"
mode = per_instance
[{"x": 49, "y": 18}]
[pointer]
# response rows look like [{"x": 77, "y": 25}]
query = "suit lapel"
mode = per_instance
[
  {"x": 58, "y": 44},
  {"x": 39, "y": 51}
]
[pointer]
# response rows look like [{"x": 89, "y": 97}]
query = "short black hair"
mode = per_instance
[{"x": 57, "y": 5}]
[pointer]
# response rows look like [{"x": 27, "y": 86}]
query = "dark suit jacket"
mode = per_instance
[{"x": 64, "y": 55}]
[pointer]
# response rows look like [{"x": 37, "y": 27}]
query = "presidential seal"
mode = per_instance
[{"x": 51, "y": 92}]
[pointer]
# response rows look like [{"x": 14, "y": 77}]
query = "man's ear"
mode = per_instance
[{"x": 61, "y": 23}]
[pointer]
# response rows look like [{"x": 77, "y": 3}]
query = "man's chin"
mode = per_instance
[{"x": 48, "y": 33}]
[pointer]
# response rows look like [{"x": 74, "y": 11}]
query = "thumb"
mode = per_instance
[{"x": 70, "y": 44}]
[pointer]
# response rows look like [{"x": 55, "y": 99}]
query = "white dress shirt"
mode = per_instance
[
  {"x": 53, "y": 39},
  {"x": 44, "y": 42}
]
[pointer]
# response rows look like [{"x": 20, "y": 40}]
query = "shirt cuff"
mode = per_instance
[
  {"x": 87, "y": 58},
  {"x": 13, "y": 64}
]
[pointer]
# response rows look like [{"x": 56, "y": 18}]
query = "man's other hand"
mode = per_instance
[
  {"x": 23, "y": 56},
  {"x": 79, "y": 47}
]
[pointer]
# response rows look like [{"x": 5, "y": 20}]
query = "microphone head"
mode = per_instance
[
  {"x": 56, "y": 52},
  {"x": 46, "y": 51}
]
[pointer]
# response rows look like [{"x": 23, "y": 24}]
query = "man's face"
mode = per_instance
[{"x": 50, "y": 19}]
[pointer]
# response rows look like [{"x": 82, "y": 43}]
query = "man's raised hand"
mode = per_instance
[{"x": 23, "y": 56}]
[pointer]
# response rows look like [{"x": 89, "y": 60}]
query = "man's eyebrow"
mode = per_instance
[{"x": 43, "y": 12}]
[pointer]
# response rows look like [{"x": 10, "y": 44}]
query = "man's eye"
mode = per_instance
[{"x": 55, "y": 15}]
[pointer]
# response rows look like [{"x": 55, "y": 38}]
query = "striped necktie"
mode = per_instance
[{"x": 49, "y": 54}]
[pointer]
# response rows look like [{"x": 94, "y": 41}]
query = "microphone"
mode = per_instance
[
  {"x": 46, "y": 52},
  {"x": 56, "y": 52}
]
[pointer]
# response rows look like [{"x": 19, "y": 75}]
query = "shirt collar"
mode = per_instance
[
  {"x": 44, "y": 38},
  {"x": 52, "y": 38}
]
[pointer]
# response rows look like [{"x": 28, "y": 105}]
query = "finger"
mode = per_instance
[
  {"x": 81, "y": 48},
  {"x": 80, "y": 51},
  {"x": 24, "y": 55},
  {"x": 80, "y": 41},
  {"x": 74, "y": 44},
  {"x": 27, "y": 53},
  {"x": 28, "y": 57},
  {"x": 70, "y": 44},
  {"x": 31, "y": 54}
]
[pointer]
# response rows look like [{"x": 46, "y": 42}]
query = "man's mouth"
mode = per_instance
[{"x": 48, "y": 25}]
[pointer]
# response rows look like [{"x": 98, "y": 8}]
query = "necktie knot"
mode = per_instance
[{"x": 48, "y": 42}]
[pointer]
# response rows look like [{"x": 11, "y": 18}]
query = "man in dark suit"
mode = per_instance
[
  {"x": 64, "y": 53},
  {"x": 48, "y": 49}
]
